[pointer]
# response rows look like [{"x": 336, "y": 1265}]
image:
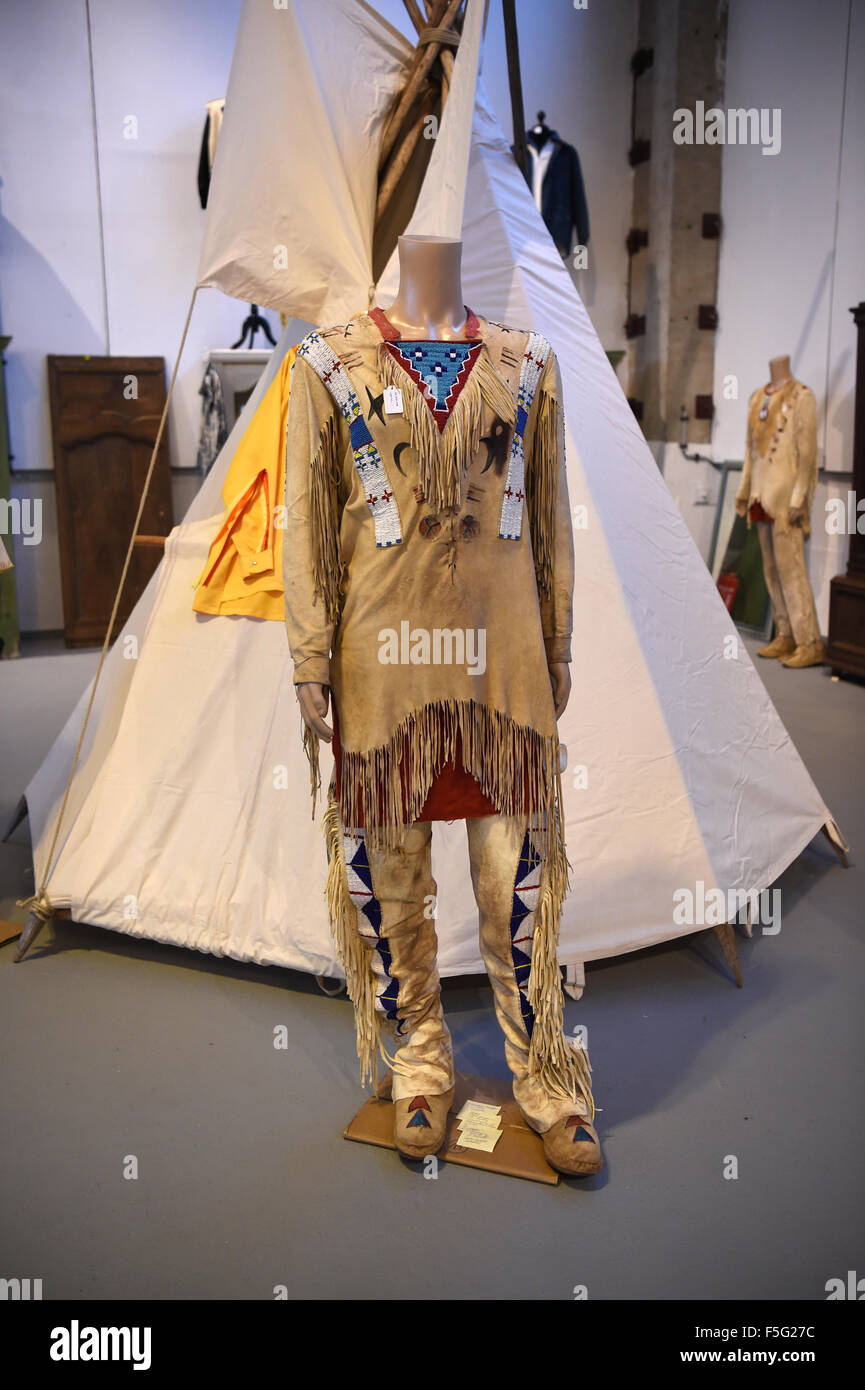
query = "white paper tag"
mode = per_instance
[
  {"x": 480, "y": 1110},
  {"x": 393, "y": 400},
  {"x": 475, "y": 1139}
]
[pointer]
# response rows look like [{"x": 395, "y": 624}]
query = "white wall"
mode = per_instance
[
  {"x": 160, "y": 63},
  {"x": 792, "y": 257}
]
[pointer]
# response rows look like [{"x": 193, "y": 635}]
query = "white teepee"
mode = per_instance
[{"x": 189, "y": 820}]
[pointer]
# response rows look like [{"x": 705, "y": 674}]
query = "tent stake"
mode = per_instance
[{"x": 724, "y": 933}]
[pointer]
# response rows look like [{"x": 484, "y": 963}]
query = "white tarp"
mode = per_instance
[{"x": 191, "y": 820}]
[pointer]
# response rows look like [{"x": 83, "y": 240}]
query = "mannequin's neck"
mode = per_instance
[
  {"x": 429, "y": 301},
  {"x": 779, "y": 372}
]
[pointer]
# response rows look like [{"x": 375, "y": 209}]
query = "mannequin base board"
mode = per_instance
[{"x": 519, "y": 1152}]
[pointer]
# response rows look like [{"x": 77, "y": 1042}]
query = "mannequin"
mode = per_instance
[
  {"x": 428, "y": 304},
  {"x": 429, "y": 301},
  {"x": 427, "y": 507},
  {"x": 540, "y": 133},
  {"x": 779, "y": 372},
  {"x": 778, "y": 482},
  {"x": 556, "y": 181}
]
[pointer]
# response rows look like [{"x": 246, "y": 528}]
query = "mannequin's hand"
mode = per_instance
[
  {"x": 795, "y": 516},
  {"x": 312, "y": 699},
  {"x": 560, "y": 680},
  {"x": 741, "y": 507}
]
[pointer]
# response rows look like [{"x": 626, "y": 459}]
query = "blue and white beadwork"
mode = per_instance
[
  {"x": 527, "y": 890},
  {"x": 368, "y": 909},
  {"x": 535, "y": 358},
  {"x": 440, "y": 370},
  {"x": 368, "y": 462}
]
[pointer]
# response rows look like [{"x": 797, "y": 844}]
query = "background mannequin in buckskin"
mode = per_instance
[
  {"x": 427, "y": 509},
  {"x": 778, "y": 482}
]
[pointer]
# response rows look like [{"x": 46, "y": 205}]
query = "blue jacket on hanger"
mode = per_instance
[{"x": 563, "y": 203}]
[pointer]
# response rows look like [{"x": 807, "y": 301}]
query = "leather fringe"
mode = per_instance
[
  {"x": 542, "y": 486},
  {"x": 562, "y": 1067},
  {"x": 355, "y": 955},
  {"x": 498, "y": 751},
  {"x": 311, "y": 747},
  {"x": 328, "y": 569},
  {"x": 443, "y": 456}
]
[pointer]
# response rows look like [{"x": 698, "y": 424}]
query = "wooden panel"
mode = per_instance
[
  {"x": 845, "y": 650},
  {"x": 105, "y": 413}
]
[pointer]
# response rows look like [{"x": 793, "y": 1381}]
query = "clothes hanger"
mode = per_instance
[{"x": 540, "y": 133}]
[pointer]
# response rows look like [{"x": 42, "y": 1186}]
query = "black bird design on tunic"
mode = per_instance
[
  {"x": 497, "y": 447},
  {"x": 376, "y": 406}
]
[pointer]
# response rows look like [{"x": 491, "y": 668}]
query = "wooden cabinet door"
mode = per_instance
[{"x": 105, "y": 413}]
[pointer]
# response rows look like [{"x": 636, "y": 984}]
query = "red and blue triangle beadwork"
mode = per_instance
[
  {"x": 581, "y": 1134},
  {"x": 418, "y": 1118},
  {"x": 440, "y": 371}
]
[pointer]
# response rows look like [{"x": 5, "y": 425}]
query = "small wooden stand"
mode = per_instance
[{"x": 519, "y": 1152}]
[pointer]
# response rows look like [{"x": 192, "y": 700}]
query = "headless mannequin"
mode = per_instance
[
  {"x": 797, "y": 639},
  {"x": 780, "y": 375},
  {"x": 429, "y": 301},
  {"x": 429, "y": 304}
]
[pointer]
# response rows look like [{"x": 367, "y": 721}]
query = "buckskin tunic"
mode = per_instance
[{"x": 428, "y": 575}]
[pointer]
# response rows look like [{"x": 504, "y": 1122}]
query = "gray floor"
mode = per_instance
[{"x": 114, "y": 1048}]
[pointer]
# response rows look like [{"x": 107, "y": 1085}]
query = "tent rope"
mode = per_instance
[
  {"x": 39, "y": 905},
  {"x": 438, "y": 35}
]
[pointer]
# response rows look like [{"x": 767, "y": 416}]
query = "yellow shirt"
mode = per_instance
[{"x": 243, "y": 574}]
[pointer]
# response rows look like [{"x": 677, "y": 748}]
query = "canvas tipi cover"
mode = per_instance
[{"x": 189, "y": 820}]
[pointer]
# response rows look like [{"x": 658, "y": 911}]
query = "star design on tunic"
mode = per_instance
[{"x": 376, "y": 406}]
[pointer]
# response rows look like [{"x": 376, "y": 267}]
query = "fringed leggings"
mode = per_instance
[
  {"x": 786, "y": 576},
  {"x": 382, "y": 906}
]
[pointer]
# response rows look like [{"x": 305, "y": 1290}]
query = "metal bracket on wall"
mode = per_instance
[
  {"x": 641, "y": 60},
  {"x": 711, "y": 226},
  {"x": 637, "y": 238}
]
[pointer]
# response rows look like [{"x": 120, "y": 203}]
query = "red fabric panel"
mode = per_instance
[
  {"x": 758, "y": 514},
  {"x": 455, "y": 794}
]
